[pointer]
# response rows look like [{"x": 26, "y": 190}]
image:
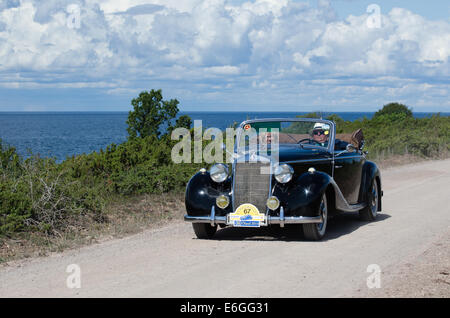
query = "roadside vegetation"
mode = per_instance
[
  {"x": 49, "y": 206},
  {"x": 394, "y": 133}
]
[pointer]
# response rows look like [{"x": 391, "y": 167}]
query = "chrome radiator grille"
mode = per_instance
[{"x": 250, "y": 185}]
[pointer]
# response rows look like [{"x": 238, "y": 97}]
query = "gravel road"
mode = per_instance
[{"x": 171, "y": 262}]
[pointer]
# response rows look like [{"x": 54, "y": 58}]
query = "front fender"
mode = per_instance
[
  {"x": 369, "y": 172},
  {"x": 201, "y": 194},
  {"x": 301, "y": 196}
]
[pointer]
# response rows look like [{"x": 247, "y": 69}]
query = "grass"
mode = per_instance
[
  {"x": 124, "y": 217},
  {"x": 388, "y": 159}
]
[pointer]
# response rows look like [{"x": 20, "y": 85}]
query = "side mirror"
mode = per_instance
[{"x": 351, "y": 148}]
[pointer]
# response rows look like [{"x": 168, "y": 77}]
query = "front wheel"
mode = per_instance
[
  {"x": 316, "y": 231},
  {"x": 369, "y": 213},
  {"x": 204, "y": 231}
]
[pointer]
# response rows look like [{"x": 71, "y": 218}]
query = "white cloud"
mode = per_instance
[
  {"x": 207, "y": 45},
  {"x": 224, "y": 70}
]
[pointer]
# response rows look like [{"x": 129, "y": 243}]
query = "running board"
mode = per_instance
[{"x": 342, "y": 204}]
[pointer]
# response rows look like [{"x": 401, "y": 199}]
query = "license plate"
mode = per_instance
[
  {"x": 246, "y": 215},
  {"x": 246, "y": 223}
]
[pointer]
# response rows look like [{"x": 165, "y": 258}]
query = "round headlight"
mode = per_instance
[
  {"x": 273, "y": 203},
  {"x": 283, "y": 173},
  {"x": 219, "y": 172},
  {"x": 222, "y": 201}
]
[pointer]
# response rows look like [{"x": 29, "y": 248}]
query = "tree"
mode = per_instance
[
  {"x": 184, "y": 122},
  {"x": 151, "y": 114},
  {"x": 394, "y": 108}
]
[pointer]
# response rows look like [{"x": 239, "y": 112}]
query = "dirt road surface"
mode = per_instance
[{"x": 171, "y": 262}]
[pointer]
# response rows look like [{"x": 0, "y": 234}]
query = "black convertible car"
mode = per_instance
[{"x": 286, "y": 171}]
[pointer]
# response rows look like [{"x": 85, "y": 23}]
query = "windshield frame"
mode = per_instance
[{"x": 331, "y": 142}]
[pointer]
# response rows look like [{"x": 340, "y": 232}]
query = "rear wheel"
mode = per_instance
[
  {"x": 316, "y": 231},
  {"x": 369, "y": 213},
  {"x": 204, "y": 230}
]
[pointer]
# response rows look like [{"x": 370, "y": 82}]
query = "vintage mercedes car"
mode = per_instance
[{"x": 285, "y": 171}]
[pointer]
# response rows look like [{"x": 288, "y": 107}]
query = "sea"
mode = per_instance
[{"x": 63, "y": 134}]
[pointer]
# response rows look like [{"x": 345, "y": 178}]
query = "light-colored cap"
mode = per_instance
[{"x": 321, "y": 126}]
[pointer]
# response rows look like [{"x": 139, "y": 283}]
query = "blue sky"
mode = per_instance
[
  {"x": 261, "y": 55},
  {"x": 432, "y": 9}
]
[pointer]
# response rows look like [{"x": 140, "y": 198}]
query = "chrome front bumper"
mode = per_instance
[{"x": 281, "y": 220}]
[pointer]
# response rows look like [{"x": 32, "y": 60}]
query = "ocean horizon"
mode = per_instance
[{"x": 62, "y": 134}]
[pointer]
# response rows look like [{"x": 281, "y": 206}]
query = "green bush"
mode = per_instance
[
  {"x": 394, "y": 108},
  {"x": 39, "y": 194},
  {"x": 399, "y": 133},
  {"x": 15, "y": 206}
]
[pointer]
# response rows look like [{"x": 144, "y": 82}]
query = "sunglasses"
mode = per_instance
[{"x": 320, "y": 132}]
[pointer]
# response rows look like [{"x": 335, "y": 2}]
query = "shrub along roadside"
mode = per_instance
[
  {"x": 398, "y": 134},
  {"x": 394, "y": 131},
  {"x": 39, "y": 194}
]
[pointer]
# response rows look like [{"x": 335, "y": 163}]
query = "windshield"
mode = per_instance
[{"x": 305, "y": 133}]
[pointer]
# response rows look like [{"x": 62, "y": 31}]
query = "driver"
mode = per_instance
[
  {"x": 320, "y": 133},
  {"x": 265, "y": 140}
]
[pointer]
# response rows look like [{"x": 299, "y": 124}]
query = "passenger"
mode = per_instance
[{"x": 266, "y": 138}]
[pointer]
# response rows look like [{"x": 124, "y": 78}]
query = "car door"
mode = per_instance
[{"x": 348, "y": 172}]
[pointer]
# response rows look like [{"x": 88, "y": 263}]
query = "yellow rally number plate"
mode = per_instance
[{"x": 246, "y": 215}]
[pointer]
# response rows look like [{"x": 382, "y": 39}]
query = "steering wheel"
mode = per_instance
[{"x": 308, "y": 139}]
